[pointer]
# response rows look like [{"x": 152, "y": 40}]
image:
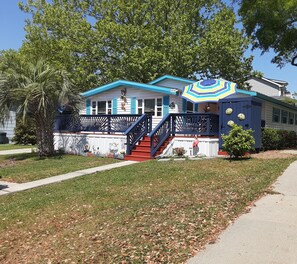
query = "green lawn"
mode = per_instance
[
  {"x": 29, "y": 167},
  {"x": 13, "y": 146},
  {"x": 151, "y": 212}
]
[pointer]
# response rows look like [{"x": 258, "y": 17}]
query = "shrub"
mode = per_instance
[
  {"x": 179, "y": 151},
  {"x": 25, "y": 133},
  {"x": 270, "y": 139},
  {"x": 278, "y": 139},
  {"x": 238, "y": 141}
]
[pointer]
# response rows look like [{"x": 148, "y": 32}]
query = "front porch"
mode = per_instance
[{"x": 109, "y": 135}]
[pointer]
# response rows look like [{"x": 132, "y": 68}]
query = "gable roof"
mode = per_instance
[
  {"x": 170, "y": 77},
  {"x": 143, "y": 86}
]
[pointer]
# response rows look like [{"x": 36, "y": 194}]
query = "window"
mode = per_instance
[
  {"x": 159, "y": 107},
  {"x": 291, "y": 118},
  {"x": 284, "y": 117},
  {"x": 150, "y": 106},
  {"x": 93, "y": 108},
  {"x": 190, "y": 107},
  {"x": 109, "y": 107},
  {"x": 139, "y": 107},
  {"x": 275, "y": 115},
  {"x": 101, "y": 107},
  {"x": 296, "y": 119}
]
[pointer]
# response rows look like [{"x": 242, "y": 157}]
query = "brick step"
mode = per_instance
[
  {"x": 136, "y": 152},
  {"x": 142, "y": 148}
]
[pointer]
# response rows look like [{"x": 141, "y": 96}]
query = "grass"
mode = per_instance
[
  {"x": 27, "y": 167},
  {"x": 147, "y": 212},
  {"x": 13, "y": 146}
]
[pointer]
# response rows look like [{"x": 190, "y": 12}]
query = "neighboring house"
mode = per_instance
[
  {"x": 149, "y": 119},
  {"x": 269, "y": 87},
  {"x": 9, "y": 126}
]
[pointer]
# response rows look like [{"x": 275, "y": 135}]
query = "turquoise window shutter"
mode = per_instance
[
  {"x": 196, "y": 108},
  {"x": 88, "y": 107},
  {"x": 165, "y": 105},
  {"x": 133, "y": 105},
  {"x": 184, "y": 106},
  {"x": 114, "y": 106}
]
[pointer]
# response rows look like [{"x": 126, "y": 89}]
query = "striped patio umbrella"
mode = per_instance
[{"x": 208, "y": 90}]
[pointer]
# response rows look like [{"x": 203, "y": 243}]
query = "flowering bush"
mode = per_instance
[
  {"x": 238, "y": 141},
  {"x": 179, "y": 151}
]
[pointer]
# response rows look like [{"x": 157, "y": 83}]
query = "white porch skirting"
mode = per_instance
[
  {"x": 207, "y": 146},
  {"x": 108, "y": 145},
  {"x": 97, "y": 144}
]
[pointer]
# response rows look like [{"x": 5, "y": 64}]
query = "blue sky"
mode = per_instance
[{"x": 12, "y": 21}]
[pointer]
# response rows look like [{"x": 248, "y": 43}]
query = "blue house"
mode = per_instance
[{"x": 148, "y": 119}]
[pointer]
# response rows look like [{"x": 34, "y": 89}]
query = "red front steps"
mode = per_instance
[{"x": 141, "y": 152}]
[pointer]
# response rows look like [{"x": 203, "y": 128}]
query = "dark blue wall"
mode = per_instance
[{"x": 250, "y": 107}]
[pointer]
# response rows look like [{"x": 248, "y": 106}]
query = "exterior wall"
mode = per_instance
[
  {"x": 262, "y": 87},
  {"x": 102, "y": 145},
  {"x": 136, "y": 93},
  {"x": 172, "y": 84},
  {"x": 207, "y": 146},
  {"x": 9, "y": 126},
  {"x": 106, "y": 145},
  {"x": 267, "y": 110}
]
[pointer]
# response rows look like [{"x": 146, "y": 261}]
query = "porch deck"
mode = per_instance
[{"x": 133, "y": 128}]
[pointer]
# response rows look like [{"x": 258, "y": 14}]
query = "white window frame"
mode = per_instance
[
  {"x": 108, "y": 107},
  {"x": 157, "y": 108}
]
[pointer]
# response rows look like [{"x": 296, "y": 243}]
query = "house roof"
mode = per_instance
[
  {"x": 170, "y": 77},
  {"x": 143, "y": 86},
  {"x": 267, "y": 98}
]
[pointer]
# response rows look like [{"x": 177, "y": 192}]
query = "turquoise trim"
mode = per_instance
[
  {"x": 143, "y": 86},
  {"x": 114, "y": 106},
  {"x": 165, "y": 105},
  {"x": 184, "y": 106},
  {"x": 246, "y": 92},
  {"x": 88, "y": 107},
  {"x": 133, "y": 105},
  {"x": 171, "y": 78}
]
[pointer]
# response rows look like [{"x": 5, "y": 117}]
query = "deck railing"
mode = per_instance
[
  {"x": 136, "y": 127},
  {"x": 95, "y": 123},
  {"x": 185, "y": 124},
  {"x": 137, "y": 131}
]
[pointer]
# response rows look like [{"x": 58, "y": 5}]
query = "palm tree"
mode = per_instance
[{"x": 36, "y": 90}]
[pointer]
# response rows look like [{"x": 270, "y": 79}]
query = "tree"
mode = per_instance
[
  {"x": 100, "y": 41},
  {"x": 35, "y": 90},
  {"x": 272, "y": 24}
]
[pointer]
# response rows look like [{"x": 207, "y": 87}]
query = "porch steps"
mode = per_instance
[{"x": 141, "y": 152}]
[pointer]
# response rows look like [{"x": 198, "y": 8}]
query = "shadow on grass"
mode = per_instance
[
  {"x": 232, "y": 159},
  {"x": 35, "y": 156}
]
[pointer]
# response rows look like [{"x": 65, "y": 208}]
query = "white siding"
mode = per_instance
[
  {"x": 264, "y": 88},
  {"x": 172, "y": 84},
  {"x": 267, "y": 116},
  {"x": 9, "y": 126},
  {"x": 133, "y": 92}
]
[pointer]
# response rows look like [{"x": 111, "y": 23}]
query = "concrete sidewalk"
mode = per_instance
[
  {"x": 16, "y": 151},
  {"x": 7, "y": 187},
  {"x": 265, "y": 235}
]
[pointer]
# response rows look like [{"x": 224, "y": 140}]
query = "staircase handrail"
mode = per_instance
[
  {"x": 160, "y": 134},
  {"x": 138, "y": 130}
]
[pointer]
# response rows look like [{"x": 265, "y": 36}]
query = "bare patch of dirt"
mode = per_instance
[{"x": 273, "y": 154}]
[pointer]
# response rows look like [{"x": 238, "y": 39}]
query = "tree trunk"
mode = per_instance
[{"x": 45, "y": 135}]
